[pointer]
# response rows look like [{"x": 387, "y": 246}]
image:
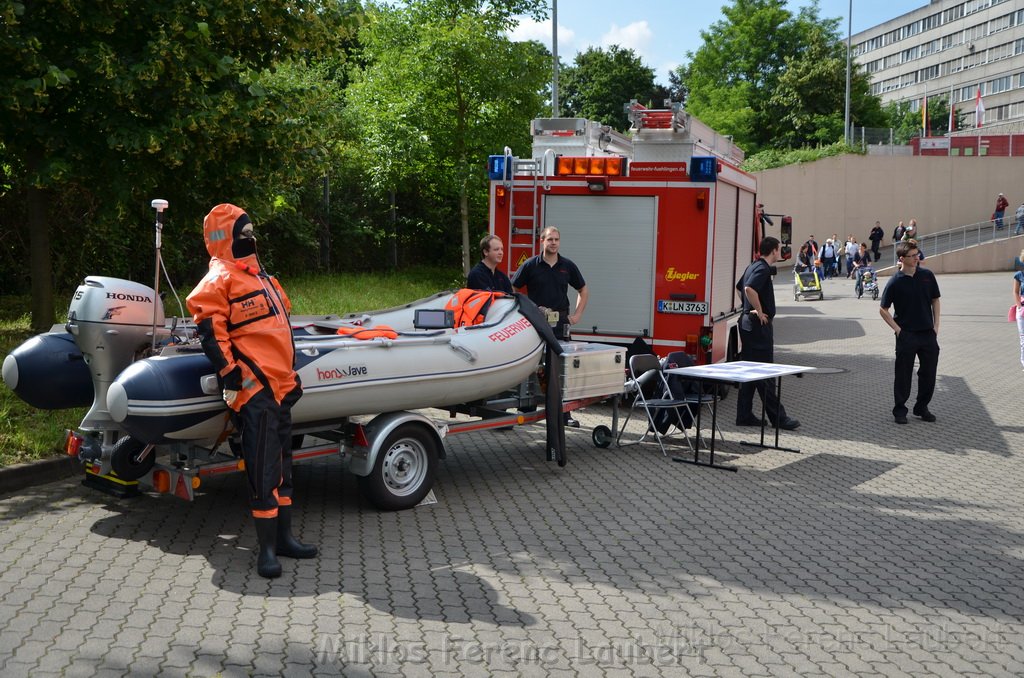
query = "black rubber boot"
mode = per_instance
[
  {"x": 287, "y": 544},
  {"x": 266, "y": 560}
]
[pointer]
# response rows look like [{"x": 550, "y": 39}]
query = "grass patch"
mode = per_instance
[{"x": 28, "y": 434}]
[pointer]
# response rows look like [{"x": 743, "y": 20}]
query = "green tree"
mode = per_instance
[
  {"x": 601, "y": 82},
  {"x": 809, "y": 101},
  {"x": 769, "y": 77},
  {"x": 906, "y": 120},
  {"x": 441, "y": 89},
  {"x": 104, "y": 105}
]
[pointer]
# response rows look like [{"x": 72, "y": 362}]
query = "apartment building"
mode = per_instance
[{"x": 951, "y": 48}]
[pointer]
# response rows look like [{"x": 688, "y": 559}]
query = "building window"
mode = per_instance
[
  {"x": 999, "y": 84},
  {"x": 999, "y": 24}
]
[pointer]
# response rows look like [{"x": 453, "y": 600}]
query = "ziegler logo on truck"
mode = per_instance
[{"x": 682, "y": 276}]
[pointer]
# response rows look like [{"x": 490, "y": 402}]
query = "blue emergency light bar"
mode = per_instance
[
  {"x": 497, "y": 169},
  {"x": 703, "y": 168}
]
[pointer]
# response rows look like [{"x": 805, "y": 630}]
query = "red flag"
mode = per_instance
[
  {"x": 952, "y": 116},
  {"x": 979, "y": 109}
]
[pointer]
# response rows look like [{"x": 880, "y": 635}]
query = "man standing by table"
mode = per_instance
[
  {"x": 914, "y": 292},
  {"x": 757, "y": 337}
]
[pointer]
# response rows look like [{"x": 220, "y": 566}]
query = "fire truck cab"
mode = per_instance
[{"x": 661, "y": 222}]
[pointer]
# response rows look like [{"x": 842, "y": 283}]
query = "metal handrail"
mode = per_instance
[{"x": 968, "y": 235}]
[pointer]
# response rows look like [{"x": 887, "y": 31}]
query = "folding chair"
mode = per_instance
[
  {"x": 690, "y": 390},
  {"x": 646, "y": 375}
]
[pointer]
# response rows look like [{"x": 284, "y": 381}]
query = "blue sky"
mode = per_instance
[{"x": 662, "y": 31}]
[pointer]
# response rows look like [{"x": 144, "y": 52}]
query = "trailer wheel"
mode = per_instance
[
  {"x": 127, "y": 459},
  {"x": 821, "y": 295},
  {"x": 404, "y": 470},
  {"x": 602, "y": 436}
]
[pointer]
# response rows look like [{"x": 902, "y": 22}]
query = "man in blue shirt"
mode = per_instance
[
  {"x": 486, "y": 275},
  {"x": 757, "y": 337},
  {"x": 914, "y": 292},
  {"x": 547, "y": 277}
]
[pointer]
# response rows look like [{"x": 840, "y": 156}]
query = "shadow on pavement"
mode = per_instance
[
  {"x": 387, "y": 559},
  {"x": 807, "y": 528}
]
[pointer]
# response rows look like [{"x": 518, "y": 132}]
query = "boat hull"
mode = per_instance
[
  {"x": 174, "y": 397},
  {"x": 49, "y": 372}
]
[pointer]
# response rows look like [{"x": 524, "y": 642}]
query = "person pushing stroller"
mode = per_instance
[{"x": 865, "y": 279}]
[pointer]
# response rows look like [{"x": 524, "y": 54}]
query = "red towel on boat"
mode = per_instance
[{"x": 368, "y": 332}]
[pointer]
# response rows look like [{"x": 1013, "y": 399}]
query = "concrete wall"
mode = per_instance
[{"x": 846, "y": 194}]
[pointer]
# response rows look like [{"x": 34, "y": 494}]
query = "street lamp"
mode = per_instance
[
  {"x": 554, "y": 58},
  {"x": 849, "y": 31}
]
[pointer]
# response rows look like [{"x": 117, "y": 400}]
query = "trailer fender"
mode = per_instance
[{"x": 381, "y": 426}]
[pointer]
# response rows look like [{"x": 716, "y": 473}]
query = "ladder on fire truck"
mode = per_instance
[{"x": 523, "y": 221}]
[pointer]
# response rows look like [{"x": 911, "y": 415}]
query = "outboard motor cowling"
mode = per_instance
[{"x": 112, "y": 322}]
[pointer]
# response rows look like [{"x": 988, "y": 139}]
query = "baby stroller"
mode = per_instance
[
  {"x": 867, "y": 282},
  {"x": 807, "y": 283}
]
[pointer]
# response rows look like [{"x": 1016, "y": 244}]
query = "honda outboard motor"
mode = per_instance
[{"x": 112, "y": 322}]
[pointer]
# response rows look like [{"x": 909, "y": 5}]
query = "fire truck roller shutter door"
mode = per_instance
[{"x": 611, "y": 240}]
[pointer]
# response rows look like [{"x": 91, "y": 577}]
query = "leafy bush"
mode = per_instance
[{"x": 770, "y": 158}]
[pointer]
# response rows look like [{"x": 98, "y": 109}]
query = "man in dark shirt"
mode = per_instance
[
  {"x": 757, "y": 338},
  {"x": 914, "y": 292},
  {"x": 547, "y": 277},
  {"x": 876, "y": 239},
  {"x": 485, "y": 275}
]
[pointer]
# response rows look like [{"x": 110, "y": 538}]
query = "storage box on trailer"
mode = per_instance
[{"x": 590, "y": 369}]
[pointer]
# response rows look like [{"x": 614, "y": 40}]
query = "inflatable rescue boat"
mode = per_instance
[{"x": 408, "y": 357}]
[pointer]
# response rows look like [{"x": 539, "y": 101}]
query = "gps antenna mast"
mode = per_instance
[{"x": 159, "y": 205}]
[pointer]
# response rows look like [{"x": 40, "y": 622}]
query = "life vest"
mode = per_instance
[
  {"x": 368, "y": 332},
  {"x": 470, "y": 306}
]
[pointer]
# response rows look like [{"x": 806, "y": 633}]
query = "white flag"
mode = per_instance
[{"x": 979, "y": 109}]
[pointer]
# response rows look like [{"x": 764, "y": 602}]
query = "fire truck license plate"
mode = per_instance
[{"x": 687, "y": 307}]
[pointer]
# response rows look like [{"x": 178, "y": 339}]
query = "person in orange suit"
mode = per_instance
[{"x": 243, "y": 317}]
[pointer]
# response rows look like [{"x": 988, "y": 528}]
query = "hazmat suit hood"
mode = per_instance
[{"x": 227, "y": 231}]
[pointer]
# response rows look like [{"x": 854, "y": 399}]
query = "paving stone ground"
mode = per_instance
[{"x": 878, "y": 550}]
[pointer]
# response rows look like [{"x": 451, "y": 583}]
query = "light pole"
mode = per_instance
[
  {"x": 554, "y": 58},
  {"x": 846, "y": 117}
]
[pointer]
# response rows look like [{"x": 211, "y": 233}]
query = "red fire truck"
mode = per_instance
[{"x": 661, "y": 223}]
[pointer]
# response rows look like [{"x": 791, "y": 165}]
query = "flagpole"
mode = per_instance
[
  {"x": 924, "y": 115},
  {"x": 952, "y": 123}
]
